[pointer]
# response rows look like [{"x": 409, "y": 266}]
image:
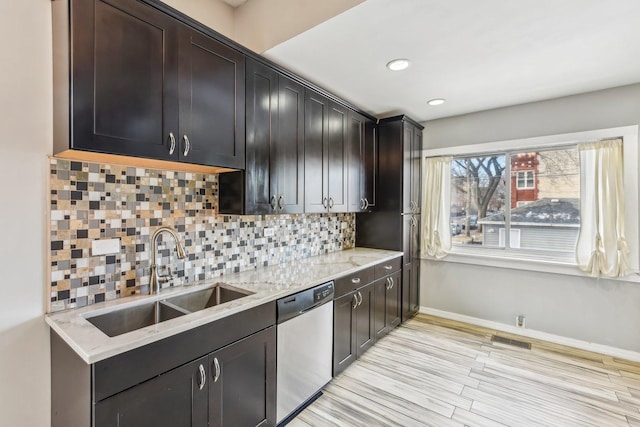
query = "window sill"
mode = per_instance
[{"x": 500, "y": 259}]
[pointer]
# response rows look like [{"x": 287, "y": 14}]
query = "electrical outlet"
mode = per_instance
[
  {"x": 520, "y": 320},
  {"x": 105, "y": 247},
  {"x": 269, "y": 232}
]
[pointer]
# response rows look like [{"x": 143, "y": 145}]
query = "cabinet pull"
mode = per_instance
[
  {"x": 355, "y": 301},
  {"x": 388, "y": 267},
  {"x": 366, "y": 204},
  {"x": 216, "y": 367},
  {"x": 324, "y": 202},
  {"x": 360, "y": 295},
  {"x": 203, "y": 377},
  {"x": 355, "y": 280},
  {"x": 362, "y": 204},
  {"x": 330, "y": 202},
  {"x": 172, "y": 147},
  {"x": 388, "y": 283},
  {"x": 272, "y": 202},
  {"x": 187, "y": 144},
  {"x": 392, "y": 282},
  {"x": 281, "y": 202}
]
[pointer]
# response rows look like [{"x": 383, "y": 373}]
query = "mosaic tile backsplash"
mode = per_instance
[{"x": 90, "y": 201}]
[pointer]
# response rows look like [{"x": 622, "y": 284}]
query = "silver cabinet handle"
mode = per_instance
[
  {"x": 366, "y": 204},
  {"x": 172, "y": 147},
  {"x": 392, "y": 282},
  {"x": 355, "y": 301},
  {"x": 361, "y": 204},
  {"x": 203, "y": 377},
  {"x": 388, "y": 267},
  {"x": 360, "y": 302},
  {"x": 388, "y": 283},
  {"x": 187, "y": 144},
  {"x": 281, "y": 202},
  {"x": 324, "y": 202},
  {"x": 272, "y": 202},
  {"x": 216, "y": 366},
  {"x": 330, "y": 202},
  {"x": 355, "y": 280}
]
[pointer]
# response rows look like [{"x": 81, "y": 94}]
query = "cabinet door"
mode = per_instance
[
  {"x": 365, "y": 333},
  {"x": 393, "y": 300},
  {"x": 370, "y": 164},
  {"x": 316, "y": 113},
  {"x": 177, "y": 398},
  {"x": 261, "y": 113},
  {"x": 336, "y": 158},
  {"x": 416, "y": 168},
  {"x": 344, "y": 332},
  {"x": 290, "y": 147},
  {"x": 407, "y": 168},
  {"x": 243, "y": 382},
  {"x": 212, "y": 97},
  {"x": 355, "y": 174},
  {"x": 124, "y": 78},
  {"x": 380, "y": 309}
]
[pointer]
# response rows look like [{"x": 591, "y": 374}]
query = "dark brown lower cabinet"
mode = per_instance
[
  {"x": 233, "y": 386},
  {"x": 222, "y": 373},
  {"x": 365, "y": 334},
  {"x": 344, "y": 332},
  {"x": 387, "y": 314},
  {"x": 243, "y": 382},
  {"x": 171, "y": 399},
  {"x": 353, "y": 331}
]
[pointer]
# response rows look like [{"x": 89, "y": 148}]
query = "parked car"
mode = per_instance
[{"x": 456, "y": 229}]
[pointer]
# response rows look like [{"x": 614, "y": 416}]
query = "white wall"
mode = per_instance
[
  {"x": 600, "y": 311},
  {"x": 213, "y": 13},
  {"x": 263, "y": 24},
  {"x": 26, "y": 123}
]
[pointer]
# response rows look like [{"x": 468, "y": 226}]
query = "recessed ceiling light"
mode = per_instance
[
  {"x": 398, "y": 64},
  {"x": 437, "y": 101}
]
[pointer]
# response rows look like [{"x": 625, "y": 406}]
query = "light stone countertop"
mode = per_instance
[{"x": 267, "y": 283}]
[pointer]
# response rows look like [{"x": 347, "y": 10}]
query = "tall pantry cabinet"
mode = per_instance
[{"x": 395, "y": 223}]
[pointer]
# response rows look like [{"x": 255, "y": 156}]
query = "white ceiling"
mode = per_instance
[{"x": 477, "y": 54}]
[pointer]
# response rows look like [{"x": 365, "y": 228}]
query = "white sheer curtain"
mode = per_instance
[
  {"x": 602, "y": 249},
  {"x": 436, "y": 234}
]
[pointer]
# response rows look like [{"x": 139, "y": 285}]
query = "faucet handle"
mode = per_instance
[{"x": 164, "y": 278}]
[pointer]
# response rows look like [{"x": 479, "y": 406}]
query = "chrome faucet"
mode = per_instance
[{"x": 154, "y": 285}]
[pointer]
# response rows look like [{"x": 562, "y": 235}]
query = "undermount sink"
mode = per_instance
[
  {"x": 119, "y": 322},
  {"x": 206, "y": 298},
  {"x": 125, "y": 320}
]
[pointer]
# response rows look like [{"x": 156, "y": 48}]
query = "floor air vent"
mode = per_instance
[{"x": 508, "y": 341}]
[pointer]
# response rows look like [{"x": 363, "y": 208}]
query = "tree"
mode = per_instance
[{"x": 478, "y": 178}]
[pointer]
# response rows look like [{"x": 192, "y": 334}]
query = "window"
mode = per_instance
[
  {"x": 525, "y": 179},
  {"x": 530, "y": 199},
  {"x": 556, "y": 177}
]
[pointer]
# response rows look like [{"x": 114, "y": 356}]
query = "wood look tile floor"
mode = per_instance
[{"x": 435, "y": 372}]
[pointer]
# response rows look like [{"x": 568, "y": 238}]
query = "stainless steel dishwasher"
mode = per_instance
[{"x": 304, "y": 349}]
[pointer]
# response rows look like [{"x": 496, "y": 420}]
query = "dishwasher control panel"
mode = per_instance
[
  {"x": 297, "y": 304},
  {"x": 322, "y": 292}
]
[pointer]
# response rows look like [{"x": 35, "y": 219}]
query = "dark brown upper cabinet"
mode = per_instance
[
  {"x": 131, "y": 80},
  {"x": 273, "y": 181},
  {"x": 362, "y": 151},
  {"x": 326, "y": 155},
  {"x": 212, "y": 115}
]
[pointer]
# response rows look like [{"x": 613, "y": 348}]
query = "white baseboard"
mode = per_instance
[{"x": 544, "y": 336}]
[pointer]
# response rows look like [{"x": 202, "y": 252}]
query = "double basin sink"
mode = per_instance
[{"x": 125, "y": 320}]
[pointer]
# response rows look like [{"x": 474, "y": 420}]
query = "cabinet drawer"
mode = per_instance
[
  {"x": 388, "y": 267},
  {"x": 348, "y": 283}
]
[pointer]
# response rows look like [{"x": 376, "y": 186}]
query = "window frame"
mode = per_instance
[
  {"x": 526, "y": 187},
  {"x": 539, "y": 260}
]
